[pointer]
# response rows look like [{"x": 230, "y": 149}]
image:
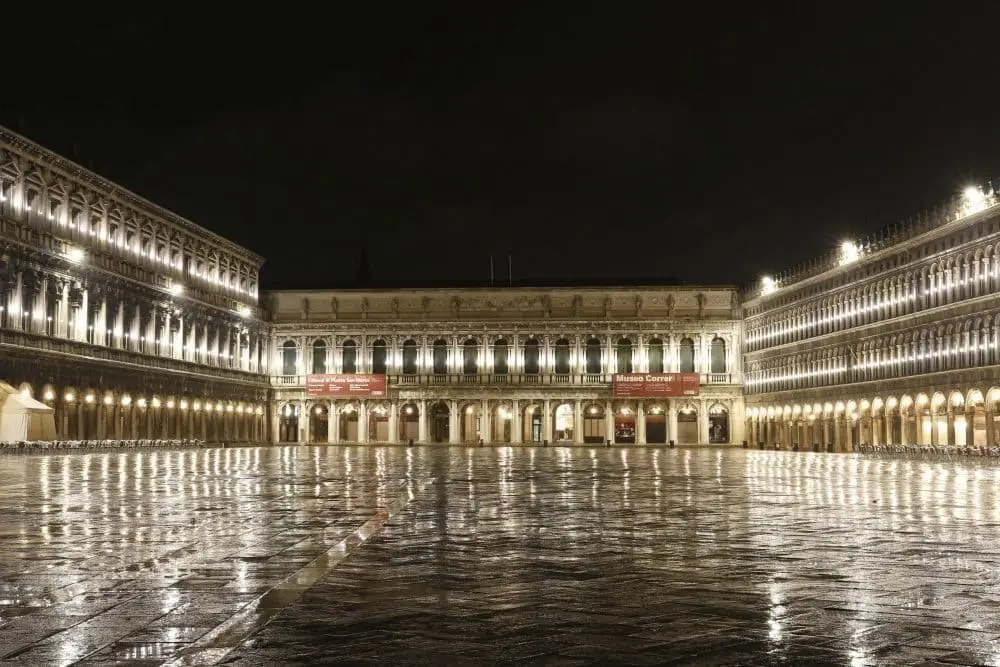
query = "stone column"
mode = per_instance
[
  {"x": 422, "y": 421},
  {"x": 640, "y": 424},
  {"x": 703, "y": 423},
  {"x": 393, "y": 422},
  {"x": 275, "y": 425},
  {"x": 516, "y": 427},
  {"x": 362, "y": 421},
  {"x": 454, "y": 422},
  {"x": 305, "y": 423},
  {"x": 332, "y": 421},
  {"x": 970, "y": 427},
  {"x": 578, "y": 421},
  {"x": 547, "y": 420},
  {"x": 609, "y": 422},
  {"x": 672, "y": 422},
  {"x": 486, "y": 423},
  {"x": 951, "y": 429},
  {"x": 990, "y": 435}
]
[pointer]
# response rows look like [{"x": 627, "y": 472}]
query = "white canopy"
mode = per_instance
[{"x": 24, "y": 418}]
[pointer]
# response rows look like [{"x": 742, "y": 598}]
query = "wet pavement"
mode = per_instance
[{"x": 455, "y": 556}]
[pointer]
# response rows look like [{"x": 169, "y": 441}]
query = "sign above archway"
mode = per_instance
[
  {"x": 345, "y": 385},
  {"x": 648, "y": 385}
]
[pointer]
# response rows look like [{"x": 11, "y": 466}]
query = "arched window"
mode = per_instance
[
  {"x": 531, "y": 365},
  {"x": 593, "y": 356},
  {"x": 562, "y": 356},
  {"x": 288, "y": 358},
  {"x": 349, "y": 356},
  {"x": 470, "y": 354},
  {"x": 624, "y": 355},
  {"x": 655, "y": 355},
  {"x": 718, "y": 355},
  {"x": 686, "y": 354},
  {"x": 379, "y": 356},
  {"x": 319, "y": 357},
  {"x": 440, "y": 359},
  {"x": 410, "y": 357},
  {"x": 500, "y": 357}
]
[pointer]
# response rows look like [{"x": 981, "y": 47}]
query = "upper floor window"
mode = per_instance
[
  {"x": 319, "y": 357},
  {"x": 439, "y": 360},
  {"x": 410, "y": 357},
  {"x": 349, "y": 356},
  {"x": 379, "y": 357},
  {"x": 655, "y": 355},
  {"x": 686, "y": 355},
  {"x": 531, "y": 357},
  {"x": 562, "y": 356},
  {"x": 288, "y": 358},
  {"x": 718, "y": 356},
  {"x": 593, "y": 356},
  {"x": 624, "y": 356},
  {"x": 500, "y": 357},
  {"x": 470, "y": 356}
]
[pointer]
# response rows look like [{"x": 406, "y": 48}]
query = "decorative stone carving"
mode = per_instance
[
  {"x": 607, "y": 306},
  {"x": 638, "y": 305},
  {"x": 547, "y": 305},
  {"x": 701, "y": 304},
  {"x": 670, "y": 305},
  {"x": 334, "y": 307},
  {"x": 394, "y": 307},
  {"x": 577, "y": 305},
  {"x": 305, "y": 308},
  {"x": 364, "y": 308},
  {"x": 456, "y": 306}
]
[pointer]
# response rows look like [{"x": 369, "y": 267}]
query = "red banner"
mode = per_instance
[
  {"x": 651, "y": 385},
  {"x": 345, "y": 386}
]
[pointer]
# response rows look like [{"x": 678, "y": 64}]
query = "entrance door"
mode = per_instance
[{"x": 536, "y": 428}]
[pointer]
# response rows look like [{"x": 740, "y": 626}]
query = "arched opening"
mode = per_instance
[
  {"x": 561, "y": 365},
  {"x": 288, "y": 427},
  {"x": 687, "y": 425},
  {"x": 593, "y": 356},
  {"x": 531, "y": 357},
  {"x": 409, "y": 422},
  {"x": 470, "y": 357},
  {"x": 470, "y": 423},
  {"x": 439, "y": 422},
  {"x": 623, "y": 355},
  {"x": 718, "y": 424},
  {"x": 532, "y": 424},
  {"x": 686, "y": 355},
  {"x": 563, "y": 424},
  {"x": 439, "y": 360},
  {"x": 319, "y": 427},
  {"x": 380, "y": 355},
  {"x": 718, "y": 355},
  {"x": 655, "y": 352},
  {"x": 349, "y": 356},
  {"x": 410, "y": 357},
  {"x": 501, "y": 424},
  {"x": 625, "y": 424},
  {"x": 288, "y": 358},
  {"x": 500, "y": 366},
  {"x": 319, "y": 357},
  {"x": 656, "y": 424},
  {"x": 349, "y": 423},
  {"x": 378, "y": 423},
  {"x": 593, "y": 424}
]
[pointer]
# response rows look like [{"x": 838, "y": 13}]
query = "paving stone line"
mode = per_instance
[{"x": 213, "y": 647}]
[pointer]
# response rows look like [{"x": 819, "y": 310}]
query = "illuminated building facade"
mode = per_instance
[
  {"x": 128, "y": 320},
  {"x": 515, "y": 365},
  {"x": 889, "y": 340}
]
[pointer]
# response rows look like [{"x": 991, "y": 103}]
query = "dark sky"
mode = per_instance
[{"x": 706, "y": 144}]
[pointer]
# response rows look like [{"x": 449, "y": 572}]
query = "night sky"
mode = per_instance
[{"x": 708, "y": 145}]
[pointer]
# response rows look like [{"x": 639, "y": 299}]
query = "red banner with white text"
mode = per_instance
[
  {"x": 653, "y": 385},
  {"x": 345, "y": 386}
]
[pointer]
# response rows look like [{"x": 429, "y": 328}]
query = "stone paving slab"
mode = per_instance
[{"x": 474, "y": 556}]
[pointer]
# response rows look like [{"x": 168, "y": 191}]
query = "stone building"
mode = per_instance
[
  {"x": 507, "y": 365},
  {"x": 888, "y": 340},
  {"x": 128, "y": 320}
]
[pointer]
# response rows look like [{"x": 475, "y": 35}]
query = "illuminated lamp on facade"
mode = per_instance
[
  {"x": 848, "y": 252},
  {"x": 767, "y": 285}
]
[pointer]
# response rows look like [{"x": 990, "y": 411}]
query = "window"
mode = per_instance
[
  {"x": 562, "y": 356},
  {"x": 470, "y": 355},
  {"x": 718, "y": 355},
  {"x": 624, "y": 355},
  {"x": 349, "y": 356},
  {"x": 319, "y": 357},
  {"x": 500, "y": 357},
  {"x": 655, "y": 355},
  {"x": 288, "y": 354},
  {"x": 531, "y": 365},
  {"x": 686, "y": 355},
  {"x": 379, "y": 356},
  {"x": 593, "y": 356},
  {"x": 440, "y": 358},
  {"x": 410, "y": 357}
]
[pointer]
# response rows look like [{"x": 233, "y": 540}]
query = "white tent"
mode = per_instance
[{"x": 24, "y": 418}]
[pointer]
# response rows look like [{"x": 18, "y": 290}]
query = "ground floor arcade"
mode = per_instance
[
  {"x": 955, "y": 417},
  {"x": 458, "y": 420}
]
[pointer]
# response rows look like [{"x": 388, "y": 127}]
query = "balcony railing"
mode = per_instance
[
  {"x": 83, "y": 350},
  {"x": 500, "y": 379}
]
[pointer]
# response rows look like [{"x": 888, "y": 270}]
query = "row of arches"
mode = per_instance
[
  {"x": 499, "y": 358},
  {"x": 956, "y": 417},
  {"x": 469, "y": 421},
  {"x": 83, "y": 413}
]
